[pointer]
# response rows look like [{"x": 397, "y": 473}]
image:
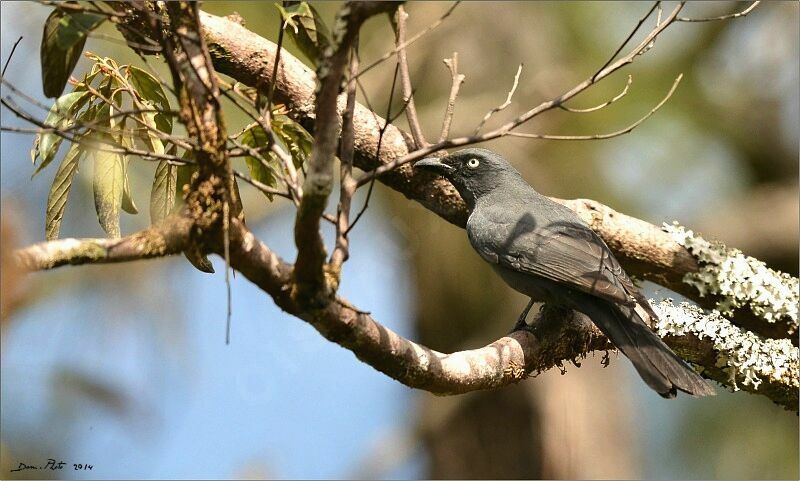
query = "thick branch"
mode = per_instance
[
  {"x": 644, "y": 249},
  {"x": 244, "y": 55},
  {"x": 167, "y": 238},
  {"x": 505, "y": 361},
  {"x": 649, "y": 252},
  {"x": 558, "y": 336}
]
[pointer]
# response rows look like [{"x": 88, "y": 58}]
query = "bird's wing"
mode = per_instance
[{"x": 568, "y": 253}]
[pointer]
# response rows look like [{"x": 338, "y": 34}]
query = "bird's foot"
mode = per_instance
[{"x": 522, "y": 323}]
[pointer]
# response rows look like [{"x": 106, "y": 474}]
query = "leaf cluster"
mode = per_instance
[{"x": 111, "y": 113}]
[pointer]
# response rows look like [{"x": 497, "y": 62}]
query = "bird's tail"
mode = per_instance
[{"x": 655, "y": 362}]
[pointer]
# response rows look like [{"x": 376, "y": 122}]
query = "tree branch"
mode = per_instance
[
  {"x": 609, "y": 135},
  {"x": 558, "y": 335},
  {"x": 309, "y": 273},
  {"x": 348, "y": 185},
  {"x": 644, "y": 249},
  {"x": 743, "y": 13},
  {"x": 167, "y": 238},
  {"x": 405, "y": 79},
  {"x": 249, "y": 58},
  {"x": 651, "y": 253},
  {"x": 455, "y": 86}
]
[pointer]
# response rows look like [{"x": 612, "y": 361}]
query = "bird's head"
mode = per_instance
[{"x": 473, "y": 172}]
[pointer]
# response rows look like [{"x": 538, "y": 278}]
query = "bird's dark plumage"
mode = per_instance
[{"x": 543, "y": 250}]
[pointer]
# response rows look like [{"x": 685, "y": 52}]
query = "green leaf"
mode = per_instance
[
  {"x": 62, "y": 43},
  {"x": 151, "y": 90},
  {"x": 88, "y": 78},
  {"x": 59, "y": 191},
  {"x": 307, "y": 28},
  {"x": 294, "y": 137},
  {"x": 150, "y": 120},
  {"x": 116, "y": 121},
  {"x": 162, "y": 195},
  {"x": 255, "y": 137},
  {"x": 108, "y": 181},
  {"x": 46, "y": 144},
  {"x": 128, "y": 205}
]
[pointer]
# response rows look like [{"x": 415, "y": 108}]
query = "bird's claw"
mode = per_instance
[{"x": 522, "y": 323}]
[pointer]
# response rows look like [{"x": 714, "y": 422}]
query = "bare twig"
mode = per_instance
[
  {"x": 743, "y": 13},
  {"x": 501, "y": 106},
  {"x": 75, "y": 7},
  {"x": 381, "y": 133},
  {"x": 267, "y": 113},
  {"x": 261, "y": 186},
  {"x": 410, "y": 41},
  {"x": 226, "y": 254},
  {"x": 102, "y": 144},
  {"x": 656, "y": 5},
  {"x": 538, "y": 110},
  {"x": 11, "y": 54},
  {"x": 309, "y": 267},
  {"x": 604, "y": 136},
  {"x": 405, "y": 80},
  {"x": 603, "y": 105},
  {"x": 256, "y": 154},
  {"x": 457, "y": 80},
  {"x": 273, "y": 145},
  {"x": 347, "y": 184},
  {"x": 136, "y": 46}
]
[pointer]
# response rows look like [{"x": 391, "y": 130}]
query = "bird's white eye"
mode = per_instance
[{"x": 473, "y": 163}]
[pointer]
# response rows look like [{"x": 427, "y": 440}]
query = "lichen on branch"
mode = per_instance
[
  {"x": 739, "y": 280},
  {"x": 747, "y": 360}
]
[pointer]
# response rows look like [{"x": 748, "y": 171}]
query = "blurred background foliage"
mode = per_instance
[{"x": 124, "y": 367}]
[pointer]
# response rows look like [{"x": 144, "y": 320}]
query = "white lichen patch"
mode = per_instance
[
  {"x": 738, "y": 279},
  {"x": 745, "y": 356}
]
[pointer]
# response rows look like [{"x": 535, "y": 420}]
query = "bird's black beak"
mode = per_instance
[{"x": 433, "y": 164}]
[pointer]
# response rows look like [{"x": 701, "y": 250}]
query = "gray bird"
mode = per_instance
[{"x": 543, "y": 250}]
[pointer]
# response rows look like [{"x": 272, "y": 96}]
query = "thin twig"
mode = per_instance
[
  {"x": 405, "y": 80},
  {"x": 8, "y": 60},
  {"x": 226, "y": 247},
  {"x": 75, "y": 7},
  {"x": 743, "y": 13},
  {"x": 270, "y": 95},
  {"x": 261, "y": 186},
  {"x": 503, "y": 105},
  {"x": 603, "y": 105},
  {"x": 136, "y": 46},
  {"x": 347, "y": 185},
  {"x": 525, "y": 117},
  {"x": 256, "y": 154},
  {"x": 603, "y": 136},
  {"x": 413, "y": 39},
  {"x": 102, "y": 146},
  {"x": 382, "y": 131},
  {"x": 628, "y": 38},
  {"x": 283, "y": 156},
  {"x": 310, "y": 275},
  {"x": 455, "y": 86}
]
